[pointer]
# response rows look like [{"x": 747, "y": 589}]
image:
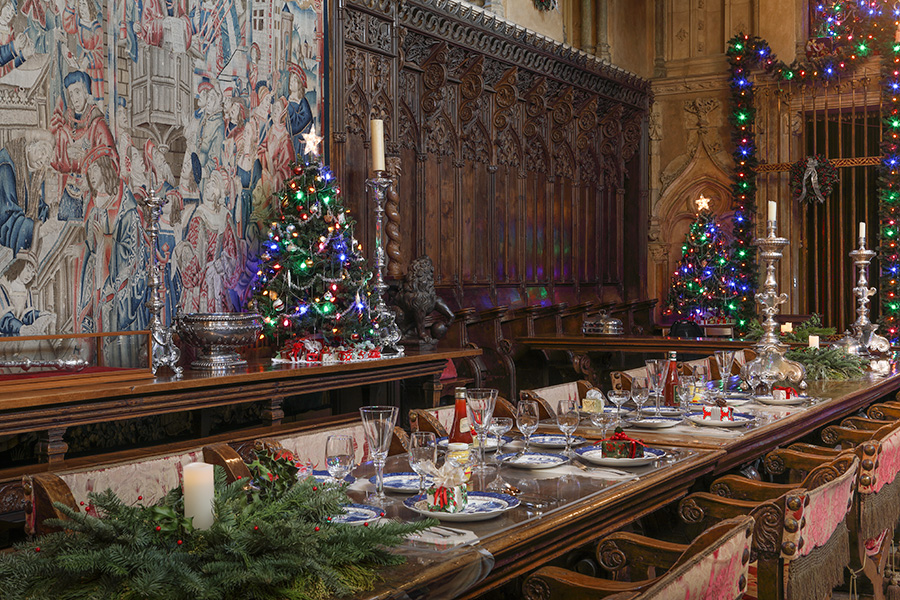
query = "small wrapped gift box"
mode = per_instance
[
  {"x": 450, "y": 500},
  {"x": 345, "y": 355},
  {"x": 718, "y": 413},
  {"x": 783, "y": 393},
  {"x": 592, "y": 402},
  {"x": 621, "y": 446}
]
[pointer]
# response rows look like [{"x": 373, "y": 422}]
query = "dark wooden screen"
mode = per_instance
[{"x": 516, "y": 158}]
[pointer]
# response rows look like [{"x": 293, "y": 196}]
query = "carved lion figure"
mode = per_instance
[{"x": 416, "y": 299}]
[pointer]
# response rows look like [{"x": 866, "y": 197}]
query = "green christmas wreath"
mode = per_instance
[
  {"x": 813, "y": 179},
  {"x": 545, "y": 4}
]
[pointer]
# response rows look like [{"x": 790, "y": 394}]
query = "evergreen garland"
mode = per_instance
[
  {"x": 812, "y": 326},
  {"x": 545, "y": 4},
  {"x": 829, "y": 363},
  {"x": 277, "y": 545}
]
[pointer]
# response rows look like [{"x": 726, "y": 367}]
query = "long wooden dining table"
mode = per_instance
[{"x": 565, "y": 508}]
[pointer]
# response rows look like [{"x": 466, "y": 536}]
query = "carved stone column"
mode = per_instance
[
  {"x": 392, "y": 224},
  {"x": 659, "y": 61},
  {"x": 603, "y": 49},
  {"x": 588, "y": 40}
]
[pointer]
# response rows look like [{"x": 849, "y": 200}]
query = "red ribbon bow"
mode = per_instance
[{"x": 789, "y": 392}]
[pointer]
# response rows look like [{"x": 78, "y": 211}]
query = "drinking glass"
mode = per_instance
[
  {"x": 422, "y": 454},
  {"x": 499, "y": 426},
  {"x": 656, "y": 372},
  {"x": 618, "y": 397},
  {"x": 480, "y": 404},
  {"x": 339, "y": 456},
  {"x": 685, "y": 391},
  {"x": 567, "y": 420},
  {"x": 769, "y": 378},
  {"x": 527, "y": 417},
  {"x": 725, "y": 361},
  {"x": 378, "y": 423},
  {"x": 640, "y": 392}
]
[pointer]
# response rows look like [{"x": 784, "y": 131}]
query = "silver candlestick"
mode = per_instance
[
  {"x": 388, "y": 333},
  {"x": 868, "y": 341},
  {"x": 770, "y": 365},
  {"x": 163, "y": 350}
]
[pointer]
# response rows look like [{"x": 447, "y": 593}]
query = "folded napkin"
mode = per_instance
[
  {"x": 443, "y": 538},
  {"x": 593, "y": 472}
]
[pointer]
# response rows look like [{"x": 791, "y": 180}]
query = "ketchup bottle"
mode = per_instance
[{"x": 461, "y": 432}]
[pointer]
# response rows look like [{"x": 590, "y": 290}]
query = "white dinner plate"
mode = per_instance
[
  {"x": 664, "y": 411},
  {"x": 770, "y": 400},
  {"x": 553, "y": 440},
  {"x": 402, "y": 483},
  {"x": 491, "y": 445},
  {"x": 594, "y": 455},
  {"x": 740, "y": 419},
  {"x": 532, "y": 460},
  {"x": 480, "y": 507},
  {"x": 655, "y": 422},
  {"x": 357, "y": 514}
]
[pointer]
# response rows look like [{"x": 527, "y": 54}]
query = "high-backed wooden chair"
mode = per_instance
[
  {"x": 439, "y": 420},
  {"x": 547, "y": 397},
  {"x": 714, "y": 566},
  {"x": 876, "y": 505},
  {"x": 800, "y": 543}
]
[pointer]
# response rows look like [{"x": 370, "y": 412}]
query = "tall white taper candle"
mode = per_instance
[
  {"x": 862, "y": 229},
  {"x": 377, "y": 127},
  {"x": 773, "y": 211},
  {"x": 199, "y": 491}
]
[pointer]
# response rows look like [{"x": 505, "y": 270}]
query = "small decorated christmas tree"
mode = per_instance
[
  {"x": 700, "y": 287},
  {"x": 313, "y": 287}
]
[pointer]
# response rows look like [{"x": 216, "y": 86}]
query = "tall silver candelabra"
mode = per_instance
[
  {"x": 388, "y": 333},
  {"x": 869, "y": 342},
  {"x": 770, "y": 365},
  {"x": 163, "y": 350}
]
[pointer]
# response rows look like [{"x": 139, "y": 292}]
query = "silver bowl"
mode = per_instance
[{"x": 218, "y": 335}]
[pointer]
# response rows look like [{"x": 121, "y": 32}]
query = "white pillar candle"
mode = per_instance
[
  {"x": 377, "y": 127},
  {"x": 773, "y": 211},
  {"x": 199, "y": 491},
  {"x": 862, "y": 229},
  {"x": 787, "y": 328},
  {"x": 813, "y": 341}
]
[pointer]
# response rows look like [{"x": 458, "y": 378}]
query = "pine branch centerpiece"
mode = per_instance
[
  {"x": 272, "y": 538},
  {"x": 829, "y": 363}
]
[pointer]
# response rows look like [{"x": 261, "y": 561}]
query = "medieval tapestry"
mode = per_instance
[{"x": 104, "y": 101}]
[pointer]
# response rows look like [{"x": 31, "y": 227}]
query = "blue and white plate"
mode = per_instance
[
  {"x": 664, "y": 411},
  {"x": 594, "y": 454},
  {"x": 554, "y": 440},
  {"x": 740, "y": 419},
  {"x": 491, "y": 445},
  {"x": 325, "y": 477},
  {"x": 357, "y": 514},
  {"x": 481, "y": 507},
  {"x": 654, "y": 422},
  {"x": 532, "y": 460},
  {"x": 403, "y": 483}
]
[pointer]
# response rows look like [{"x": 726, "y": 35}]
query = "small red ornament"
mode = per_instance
[
  {"x": 328, "y": 518},
  {"x": 158, "y": 528},
  {"x": 256, "y": 528},
  {"x": 317, "y": 527},
  {"x": 315, "y": 488},
  {"x": 179, "y": 542},
  {"x": 240, "y": 477},
  {"x": 381, "y": 515},
  {"x": 140, "y": 497},
  {"x": 366, "y": 524},
  {"x": 38, "y": 549},
  {"x": 82, "y": 503}
]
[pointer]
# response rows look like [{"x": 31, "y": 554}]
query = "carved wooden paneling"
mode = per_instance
[{"x": 513, "y": 150}]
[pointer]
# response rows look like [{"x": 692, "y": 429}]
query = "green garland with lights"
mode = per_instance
[
  {"x": 268, "y": 542},
  {"x": 857, "y": 34}
]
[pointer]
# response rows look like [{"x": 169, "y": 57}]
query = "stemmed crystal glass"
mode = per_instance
[
  {"x": 639, "y": 393},
  {"x": 499, "y": 426},
  {"x": 656, "y": 370},
  {"x": 378, "y": 423},
  {"x": 725, "y": 362},
  {"x": 618, "y": 397},
  {"x": 527, "y": 417},
  {"x": 339, "y": 456},
  {"x": 480, "y": 404},
  {"x": 685, "y": 390},
  {"x": 567, "y": 420},
  {"x": 422, "y": 454}
]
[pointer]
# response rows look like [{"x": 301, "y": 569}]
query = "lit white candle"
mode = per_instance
[
  {"x": 787, "y": 328},
  {"x": 862, "y": 229},
  {"x": 773, "y": 211},
  {"x": 377, "y": 127},
  {"x": 199, "y": 491},
  {"x": 813, "y": 341}
]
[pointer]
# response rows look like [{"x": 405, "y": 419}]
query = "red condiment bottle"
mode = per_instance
[
  {"x": 461, "y": 432},
  {"x": 671, "y": 380}
]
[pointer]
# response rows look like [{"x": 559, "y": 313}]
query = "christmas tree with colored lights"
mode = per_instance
[
  {"x": 701, "y": 287},
  {"x": 313, "y": 288}
]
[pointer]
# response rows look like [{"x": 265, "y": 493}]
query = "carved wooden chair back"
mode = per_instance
[
  {"x": 715, "y": 565},
  {"x": 547, "y": 397}
]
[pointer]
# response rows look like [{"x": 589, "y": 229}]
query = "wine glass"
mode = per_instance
[
  {"x": 725, "y": 362},
  {"x": 769, "y": 377},
  {"x": 527, "y": 417},
  {"x": 640, "y": 393},
  {"x": 422, "y": 454},
  {"x": 618, "y": 397},
  {"x": 656, "y": 370},
  {"x": 499, "y": 426},
  {"x": 339, "y": 456},
  {"x": 378, "y": 424},
  {"x": 685, "y": 391},
  {"x": 480, "y": 404},
  {"x": 567, "y": 420}
]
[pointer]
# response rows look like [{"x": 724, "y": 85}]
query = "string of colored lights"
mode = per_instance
[{"x": 854, "y": 32}]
